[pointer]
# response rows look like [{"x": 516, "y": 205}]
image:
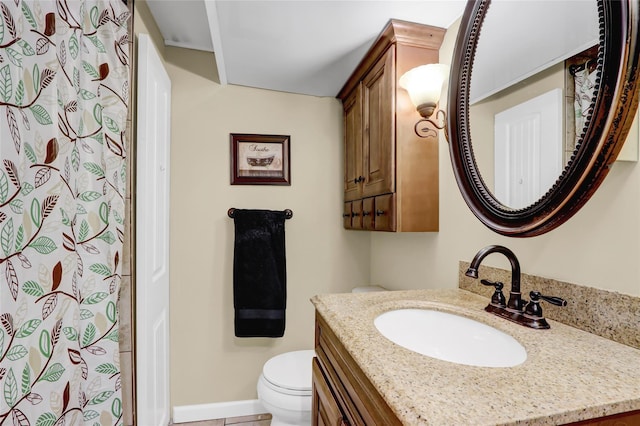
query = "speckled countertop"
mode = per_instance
[{"x": 569, "y": 375}]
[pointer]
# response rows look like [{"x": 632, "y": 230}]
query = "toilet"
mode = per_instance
[
  {"x": 284, "y": 388},
  {"x": 285, "y": 385}
]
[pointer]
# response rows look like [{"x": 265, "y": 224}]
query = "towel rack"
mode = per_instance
[{"x": 288, "y": 214}]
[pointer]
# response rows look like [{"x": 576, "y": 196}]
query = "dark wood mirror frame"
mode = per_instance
[{"x": 614, "y": 109}]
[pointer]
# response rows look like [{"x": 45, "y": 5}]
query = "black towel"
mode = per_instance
[{"x": 259, "y": 273}]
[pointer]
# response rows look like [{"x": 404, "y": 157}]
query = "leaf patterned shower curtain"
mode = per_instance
[
  {"x": 585, "y": 83},
  {"x": 64, "y": 89}
]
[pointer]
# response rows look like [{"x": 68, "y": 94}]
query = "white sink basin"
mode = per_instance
[{"x": 450, "y": 337}]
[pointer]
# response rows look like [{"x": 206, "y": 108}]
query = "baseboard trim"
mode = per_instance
[{"x": 218, "y": 410}]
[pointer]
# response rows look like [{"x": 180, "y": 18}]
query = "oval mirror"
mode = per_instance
[{"x": 541, "y": 107}]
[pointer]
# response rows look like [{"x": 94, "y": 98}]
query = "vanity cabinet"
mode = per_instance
[
  {"x": 342, "y": 395},
  {"x": 382, "y": 154},
  {"x": 624, "y": 419}
]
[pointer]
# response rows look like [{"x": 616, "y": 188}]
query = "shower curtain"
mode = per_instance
[
  {"x": 64, "y": 89},
  {"x": 585, "y": 83}
]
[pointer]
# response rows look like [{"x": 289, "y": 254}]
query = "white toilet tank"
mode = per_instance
[{"x": 368, "y": 289}]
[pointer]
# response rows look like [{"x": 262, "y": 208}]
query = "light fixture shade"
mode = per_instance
[{"x": 424, "y": 83}]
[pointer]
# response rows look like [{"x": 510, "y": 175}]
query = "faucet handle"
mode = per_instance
[
  {"x": 533, "y": 307},
  {"x": 498, "y": 297},
  {"x": 497, "y": 284},
  {"x": 558, "y": 301}
]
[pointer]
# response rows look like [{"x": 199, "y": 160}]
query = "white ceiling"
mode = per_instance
[{"x": 299, "y": 46}]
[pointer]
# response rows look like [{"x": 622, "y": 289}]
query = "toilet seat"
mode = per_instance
[{"x": 290, "y": 373}]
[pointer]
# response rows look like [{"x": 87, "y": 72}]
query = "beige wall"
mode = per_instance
[
  {"x": 208, "y": 363},
  {"x": 598, "y": 247}
]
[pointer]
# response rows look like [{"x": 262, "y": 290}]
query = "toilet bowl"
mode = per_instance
[
  {"x": 285, "y": 385},
  {"x": 284, "y": 388}
]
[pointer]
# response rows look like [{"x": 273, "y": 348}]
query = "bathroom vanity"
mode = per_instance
[
  {"x": 361, "y": 378},
  {"x": 342, "y": 393}
]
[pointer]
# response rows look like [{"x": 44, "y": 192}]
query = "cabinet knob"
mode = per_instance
[
  {"x": 355, "y": 214},
  {"x": 379, "y": 212},
  {"x": 358, "y": 179},
  {"x": 365, "y": 213},
  {"x": 345, "y": 215}
]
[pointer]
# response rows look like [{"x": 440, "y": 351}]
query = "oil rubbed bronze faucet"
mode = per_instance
[{"x": 517, "y": 310}]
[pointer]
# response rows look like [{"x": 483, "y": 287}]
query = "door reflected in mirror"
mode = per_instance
[
  {"x": 531, "y": 93},
  {"x": 528, "y": 149},
  {"x": 507, "y": 54}
]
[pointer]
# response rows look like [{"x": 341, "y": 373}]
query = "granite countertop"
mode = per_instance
[{"x": 569, "y": 375}]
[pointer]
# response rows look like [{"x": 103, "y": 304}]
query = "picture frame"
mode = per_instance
[{"x": 260, "y": 159}]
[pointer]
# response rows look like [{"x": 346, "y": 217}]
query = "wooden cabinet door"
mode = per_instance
[
  {"x": 358, "y": 401},
  {"x": 378, "y": 139},
  {"x": 353, "y": 175},
  {"x": 325, "y": 409}
]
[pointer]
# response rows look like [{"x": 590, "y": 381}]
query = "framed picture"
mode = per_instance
[{"x": 260, "y": 159}]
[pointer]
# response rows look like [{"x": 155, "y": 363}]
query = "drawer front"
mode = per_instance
[
  {"x": 346, "y": 216},
  {"x": 356, "y": 214},
  {"x": 385, "y": 212},
  {"x": 368, "y": 214}
]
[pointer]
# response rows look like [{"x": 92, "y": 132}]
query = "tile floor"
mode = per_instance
[{"x": 258, "y": 420}]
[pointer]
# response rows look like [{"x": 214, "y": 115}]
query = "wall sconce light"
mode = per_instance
[{"x": 424, "y": 85}]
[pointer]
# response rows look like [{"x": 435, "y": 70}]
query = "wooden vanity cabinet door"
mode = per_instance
[
  {"x": 357, "y": 399},
  {"x": 378, "y": 140},
  {"x": 353, "y": 174},
  {"x": 325, "y": 409}
]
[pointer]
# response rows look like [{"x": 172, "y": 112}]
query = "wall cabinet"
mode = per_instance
[{"x": 390, "y": 174}]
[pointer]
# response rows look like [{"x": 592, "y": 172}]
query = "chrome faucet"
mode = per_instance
[{"x": 516, "y": 310}]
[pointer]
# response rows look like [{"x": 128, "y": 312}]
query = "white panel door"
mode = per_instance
[
  {"x": 528, "y": 149},
  {"x": 152, "y": 237}
]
